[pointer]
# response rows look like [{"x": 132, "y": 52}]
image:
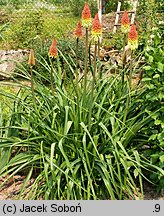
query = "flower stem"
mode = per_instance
[
  {"x": 51, "y": 78},
  {"x": 77, "y": 87},
  {"x": 99, "y": 65},
  {"x": 123, "y": 58},
  {"x": 77, "y": 76},
  {"x": 93, "y": 84},
  {"x": 94, "y": 71},
  {"x": 86, "y": 65},
  {"x": 32, "y": 86},
  {"x": 131, "y": 68}
]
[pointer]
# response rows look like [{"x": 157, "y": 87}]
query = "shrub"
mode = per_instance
[
  {"x": 77, "y": 6},
  {"x": 112, "y": 5},
  {"x": 29, "y": 25},
  {"x": 24, "y": 28},
  {"x": 154, "y": 100}
]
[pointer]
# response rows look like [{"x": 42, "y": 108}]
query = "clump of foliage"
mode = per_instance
[
  {"x": 69, "y": 160},
  {"x": 154, "y": 98},
  {"x": 151, "y": 45}
]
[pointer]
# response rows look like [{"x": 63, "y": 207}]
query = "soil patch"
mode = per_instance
[{"x": 12, "y": 188}]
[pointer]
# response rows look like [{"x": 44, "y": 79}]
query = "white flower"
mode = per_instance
[
  {"x": 152, "y": 36},
  {"x": 154, "y": 28},
  {"x": 161, "y": 22}
]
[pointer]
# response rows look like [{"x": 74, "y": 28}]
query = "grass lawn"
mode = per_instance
[{"x": 23, "y": 27}]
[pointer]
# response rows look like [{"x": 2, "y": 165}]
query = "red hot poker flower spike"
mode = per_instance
[
  {"x": 96, "y": 28},
  {"x": 133, "y": 38},
  {"x": 125, "y": 23},
  {"x": 53, "y": 53},
  {"x": 86, "y": 16},
  {"x": 31, "y": 60},
  {"x": 78, "y": 31}
]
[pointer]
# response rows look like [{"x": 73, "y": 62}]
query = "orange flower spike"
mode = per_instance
[
  {"x": 133, "y": 38},
  {"x": 96, "y": 28},
  {"x": 125, "y": 23},
  {"x": 78, "y": 31},
  {"x": 53, "y": 53},
  {"x": 86, "y": 16},
  {"x": 31, "y": 60}
]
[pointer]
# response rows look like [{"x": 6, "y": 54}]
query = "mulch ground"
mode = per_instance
[{"x": 11, "y": 190}]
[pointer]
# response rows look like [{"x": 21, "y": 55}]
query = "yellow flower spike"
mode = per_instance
[
  {"x": 78, "y": 31},
  {"x": 53, "y": 53},
  {"x": 133, "y": 38},
  {"x": 96, "y": 28},
  {"x": 86, "y": 16},
  {"x": 125, "y": 23}
]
